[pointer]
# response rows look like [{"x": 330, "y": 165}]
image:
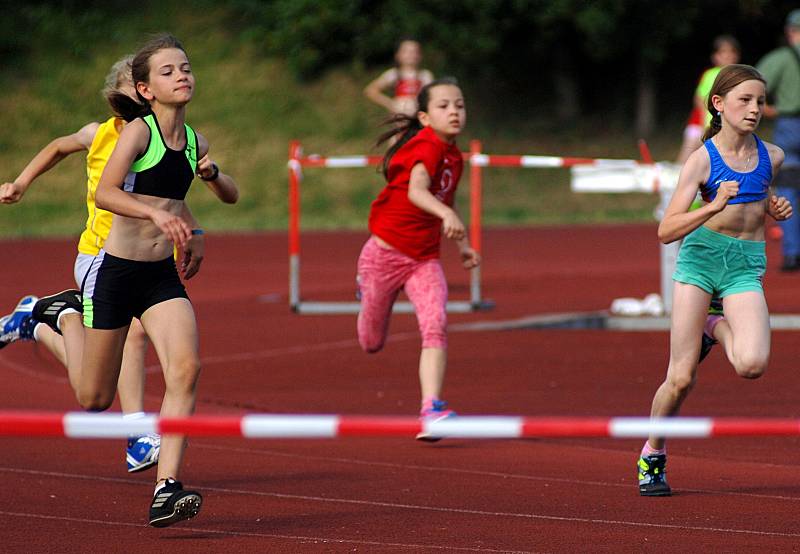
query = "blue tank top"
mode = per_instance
[{"x": 752, "y": 185}]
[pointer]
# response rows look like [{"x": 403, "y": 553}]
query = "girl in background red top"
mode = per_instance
[
  {"x": 407, "y": 220},
  {"x": 406, "y": 80}
]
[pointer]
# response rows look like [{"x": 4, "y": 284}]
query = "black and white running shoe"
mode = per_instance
[
  {"x": 48, "y": 308},
  {"x": 172, "y": 504}
]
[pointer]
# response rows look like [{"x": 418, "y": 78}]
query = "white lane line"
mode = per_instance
[
  {"x": 19, "y": 368},
  {"x": 300, "y": 538},
  {"x": 421, "y": 507},
  {"x": 288, "y": 351}
]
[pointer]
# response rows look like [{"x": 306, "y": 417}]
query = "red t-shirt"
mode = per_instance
[
  {"x": 393, "y": 217},
  {"x": 409, "y": 86}
]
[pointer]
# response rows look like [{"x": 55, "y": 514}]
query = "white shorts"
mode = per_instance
[{"x": 82, "y": 264}]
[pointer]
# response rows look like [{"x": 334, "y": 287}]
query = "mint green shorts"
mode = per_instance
[{"x": 719, "y": 264}]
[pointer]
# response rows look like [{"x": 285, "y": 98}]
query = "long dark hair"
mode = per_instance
[
  {"x": 407, "y": 126},
  {"x": 729, "y": 77}
]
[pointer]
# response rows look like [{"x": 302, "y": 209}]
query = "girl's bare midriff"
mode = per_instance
[
  {"x": 741, "y": 221},
  {"x": 140, "y": 239}
]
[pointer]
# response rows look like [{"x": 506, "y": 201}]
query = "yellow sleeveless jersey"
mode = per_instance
[{"x": 98, "y": 224}]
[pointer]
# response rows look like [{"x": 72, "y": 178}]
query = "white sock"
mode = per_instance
[
  {"x": 36, "y": 331},
  {"x": 160, "y": 485},
  {"x": 64, "y": 312}
]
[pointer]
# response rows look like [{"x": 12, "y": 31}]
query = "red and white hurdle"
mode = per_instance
[
  {"x": 81, "y": 425},
  {"x": 477, "y": 161}
]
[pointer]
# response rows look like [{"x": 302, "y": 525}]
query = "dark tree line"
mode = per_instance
[{"x": 631, "y": 61}]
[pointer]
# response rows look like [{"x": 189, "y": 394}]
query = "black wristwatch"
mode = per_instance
[{"x": 214, "y": 173}]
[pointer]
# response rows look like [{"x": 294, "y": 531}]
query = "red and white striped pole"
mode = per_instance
[
  {"x": 112, "y": 425},
  {"x": 295, "y": 175},
  {"x": 476, "y": 208}
]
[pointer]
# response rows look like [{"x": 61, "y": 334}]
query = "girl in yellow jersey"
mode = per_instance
[{"x": 99, "y": 139}]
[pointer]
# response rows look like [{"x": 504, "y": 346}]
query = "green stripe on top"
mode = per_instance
[
  {"x": 191, "y": 148},
  {"x": 155, "y": 149}
]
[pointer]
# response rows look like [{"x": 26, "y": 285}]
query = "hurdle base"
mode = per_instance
[
  {"x": 340, "y": 308},
  {"x": 601, "y": 319}
]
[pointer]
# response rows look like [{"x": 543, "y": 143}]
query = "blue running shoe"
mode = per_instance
[
  {"x": 18, "y": 325},
  {"x": 436, "y": 410},
  {"x": 142, "y": 452}
]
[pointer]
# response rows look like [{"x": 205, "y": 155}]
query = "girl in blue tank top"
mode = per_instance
[{"x": 722, "y": 255}]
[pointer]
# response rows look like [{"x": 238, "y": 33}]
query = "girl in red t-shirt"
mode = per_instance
[{"x": 407, "y": 220}]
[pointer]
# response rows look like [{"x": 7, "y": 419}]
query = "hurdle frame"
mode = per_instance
[
  {"x": 297, "y": 161},
  {"x": 645, "y": 176}
]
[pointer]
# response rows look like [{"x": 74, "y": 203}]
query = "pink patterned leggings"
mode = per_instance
[{"x": 382, "y": 273}]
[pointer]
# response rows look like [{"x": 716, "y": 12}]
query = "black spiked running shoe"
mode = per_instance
[
  {"x": 172, "y": 504},
  {"x": 48, "y": 308},
  {"x": 714, "y": 309},
  {"x": 652, "y": 476},
  {"x": 706, "y": 343}
]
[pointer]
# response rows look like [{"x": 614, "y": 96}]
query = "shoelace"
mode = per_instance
[{"x": 151, "y": 439}]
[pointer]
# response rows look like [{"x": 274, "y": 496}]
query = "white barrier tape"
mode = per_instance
[
  {"x": 353, "y": 161},
  {"x": 661, "y": 427},
  {"x": 289, "y": 426},
  {"x": 479, "y": 160},
  {"x": 489, "y": 427},
  {"x": 541, "y": 161},
  {"x": 85, "y": 425}
]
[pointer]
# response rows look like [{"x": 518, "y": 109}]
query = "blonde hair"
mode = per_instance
[{"x": 122, "y": 105}]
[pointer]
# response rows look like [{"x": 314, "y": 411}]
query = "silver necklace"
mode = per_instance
[{"x": 746, "y": 163}]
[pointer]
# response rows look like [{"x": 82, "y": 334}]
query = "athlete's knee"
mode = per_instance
[
  {"x": 434, "y": 331},
  {"x": 137, "y": 337},
  {"x": 95, "y": 401},
  {"x": 750, "y": 366},
  {"x": 681, "y": 383},
  {"x": 434, "y": 339},
  {"x": 371, "y": 344},
  {"x": 370, "y": 336},
  {"x": 183, "y": 375}
]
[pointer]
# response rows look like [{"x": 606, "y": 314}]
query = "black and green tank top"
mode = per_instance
[{"x": 162, "y": 171}]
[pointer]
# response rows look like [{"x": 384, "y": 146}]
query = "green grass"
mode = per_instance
[{"x": 249, "y": 107}]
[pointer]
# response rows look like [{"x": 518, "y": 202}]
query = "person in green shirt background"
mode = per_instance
[
  {"x": 781, "y": 68},
  {"x": 724, "y": 50}
]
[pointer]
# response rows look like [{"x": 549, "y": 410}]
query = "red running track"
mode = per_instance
[{"x": 397, "y": 495}]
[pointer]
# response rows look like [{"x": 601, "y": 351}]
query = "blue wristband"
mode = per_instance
[{"x": 198, "y": 232}]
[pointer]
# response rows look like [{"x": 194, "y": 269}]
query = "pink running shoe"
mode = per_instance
[{"x": 434, "y": 410}]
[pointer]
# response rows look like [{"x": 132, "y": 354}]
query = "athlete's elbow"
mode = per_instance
[
  {"x": 101, "y": 199},
  {"x": 666, "y": 236},
  {"x": 232, "y": 197}
]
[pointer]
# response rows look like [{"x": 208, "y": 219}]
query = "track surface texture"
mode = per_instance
[{"x": 397, "y": 495}]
